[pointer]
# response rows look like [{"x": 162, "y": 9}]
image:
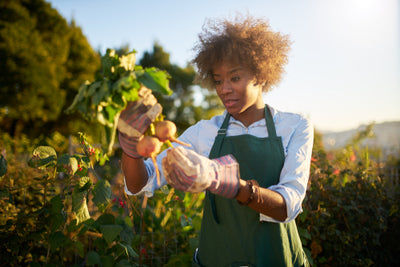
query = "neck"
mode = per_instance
[{"x": 251, "y": 115}]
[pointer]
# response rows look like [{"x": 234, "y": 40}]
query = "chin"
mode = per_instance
[{"x": 233, "y": 110}]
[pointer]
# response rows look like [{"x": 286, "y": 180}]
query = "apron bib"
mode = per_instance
[{"x": 233, "y": 235}]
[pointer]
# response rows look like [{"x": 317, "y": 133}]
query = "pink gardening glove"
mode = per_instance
[
  {"x": 135, "y": 119},
  {"x": 188, "y": 171}
]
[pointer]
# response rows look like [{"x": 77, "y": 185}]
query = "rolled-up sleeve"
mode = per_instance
[
  {"x": 200, "y": 139},
  {"x": 296, "y": 169},
  {"x": 151, "y": 184}
]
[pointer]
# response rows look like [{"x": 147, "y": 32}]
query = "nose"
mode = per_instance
[{"x": 226, "y": 87}]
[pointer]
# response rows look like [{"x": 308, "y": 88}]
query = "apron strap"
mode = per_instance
[
  {"x": 269, "y": 122},
  {"x": 219, "y": 139}
]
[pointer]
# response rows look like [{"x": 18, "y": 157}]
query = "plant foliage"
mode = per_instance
[{"x": 103, "y": 99}]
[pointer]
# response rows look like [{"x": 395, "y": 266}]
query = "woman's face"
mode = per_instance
[{"x": 238, "y": 91}]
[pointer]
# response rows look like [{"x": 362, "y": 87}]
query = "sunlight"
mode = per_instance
[{"x": 365, "y": 5}]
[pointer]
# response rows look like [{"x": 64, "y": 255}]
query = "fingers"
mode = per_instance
[
  {"x": 138, "y": 115},
  {"x": 171, "y": 176},
  {"x": 184, "y": 174},
  {"x": 178, "y": 158},
  {"x": 147, "y": 96},
  {"x": 154, "y": 111},
  {"x": 144, "y": 91}
]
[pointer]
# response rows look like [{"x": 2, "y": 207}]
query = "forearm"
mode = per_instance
[
  {"x": 265, "y": 201},
  {"x": 135, "y": 172}
]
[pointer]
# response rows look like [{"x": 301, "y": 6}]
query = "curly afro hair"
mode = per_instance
[{"x": 246, "y": 41}]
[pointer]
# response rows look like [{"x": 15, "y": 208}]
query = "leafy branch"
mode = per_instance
[{"x": 103, "y": 99}]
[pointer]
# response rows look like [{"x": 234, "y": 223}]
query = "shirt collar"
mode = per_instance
[{"x": 258, "y": 123}]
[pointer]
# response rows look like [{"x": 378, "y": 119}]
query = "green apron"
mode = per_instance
[{"x": 233, "y": 235}]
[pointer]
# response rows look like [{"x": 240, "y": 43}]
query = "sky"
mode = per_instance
[{"x": 344, "y": 62}]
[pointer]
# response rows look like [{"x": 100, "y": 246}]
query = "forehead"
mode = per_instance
[{"x": 226, "y": 68}]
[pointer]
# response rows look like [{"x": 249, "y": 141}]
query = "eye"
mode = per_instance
[
  {"x": 217, "y": 82},
  {"x": 235, "y": 78}
]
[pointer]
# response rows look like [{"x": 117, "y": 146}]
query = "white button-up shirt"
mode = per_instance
[{"x": 297, "y": 135}]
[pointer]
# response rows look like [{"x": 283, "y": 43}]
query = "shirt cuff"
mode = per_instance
[
  {"x": 151, "y": 185},
  {"x": 292, "y": 207}
]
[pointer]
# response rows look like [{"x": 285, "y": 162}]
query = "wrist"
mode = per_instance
[
  {"x": 227, "y": 181},
  {"x": 128, "y": 145},
  {"x": 248, "y": 191}
]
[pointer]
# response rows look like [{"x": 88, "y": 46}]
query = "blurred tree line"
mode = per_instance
[{"x": 43, "y": 61}]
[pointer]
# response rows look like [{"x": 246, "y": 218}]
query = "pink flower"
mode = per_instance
[
  {"x": 336, "y": 172},
  {"x": 353, "y": 158}
]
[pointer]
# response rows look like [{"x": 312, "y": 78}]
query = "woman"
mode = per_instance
[{"x": 253, "y": 160}]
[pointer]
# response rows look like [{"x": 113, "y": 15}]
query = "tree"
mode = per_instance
[
  {"x": 81, "y": 65},
  {"x": 181, "y": 106},
  {"x": 42, "y": 60}
]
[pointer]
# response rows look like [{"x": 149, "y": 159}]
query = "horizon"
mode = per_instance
[{"x": 343, "y": 66}]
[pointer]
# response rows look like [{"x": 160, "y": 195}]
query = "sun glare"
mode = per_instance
[{"x": 365, "y": 5}]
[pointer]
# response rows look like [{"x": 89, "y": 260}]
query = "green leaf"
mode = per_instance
[
  {"x": 68, "y": 163},
  {"x": 155, "y": 80},
  {"x": 128, "y": 221},
  {"x": 93, "y": 87},
  {"x": 107, "y": 260},
  {"x": 83, "y": 107},
  {"x": 79, "y": 247},
  {"x": 123, "y": 84},
  {"x": 101, "y": 94},
  {"x": 102, "y": 158},
  {"x": 124, "y": 263},
  {"x": 56, "y": 205},
  {"x": 110, "y": 232},
  {"x": 130, "y": 95},
  {"x": 80, "y": 96},
  {"x": 104, "y": 219},
  {"x": 304, "y": 233},
  {"x": 3, "y": 166},
  {"x": 111, "y": 112},
  {"x": 79, "y": 205},
  {"x": 72, "y": 226},
  {"x": 109, "y": 63},
  {"x": 42, "y": 157},
  {"x": 103, "y": 118},
  {"x": 81, "y": 210},
  {"x": 129, "y": 250},
  {"x": 127, "y": 235},
  {"x": 102, "y": 194},
  {"x": 84, "y": 184},
  {"x": 56, "y": 240},
  {"x": 92, "y": 258}
]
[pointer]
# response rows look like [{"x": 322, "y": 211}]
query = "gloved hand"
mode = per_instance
[
  {"x": 188, "y": 171},
  {"x": 135, "y": 119}
]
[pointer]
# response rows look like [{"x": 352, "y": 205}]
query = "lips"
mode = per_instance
[{"x": 230, "y": 103}]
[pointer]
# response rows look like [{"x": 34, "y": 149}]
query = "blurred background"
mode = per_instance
[{"x": 342, "y": 72}]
